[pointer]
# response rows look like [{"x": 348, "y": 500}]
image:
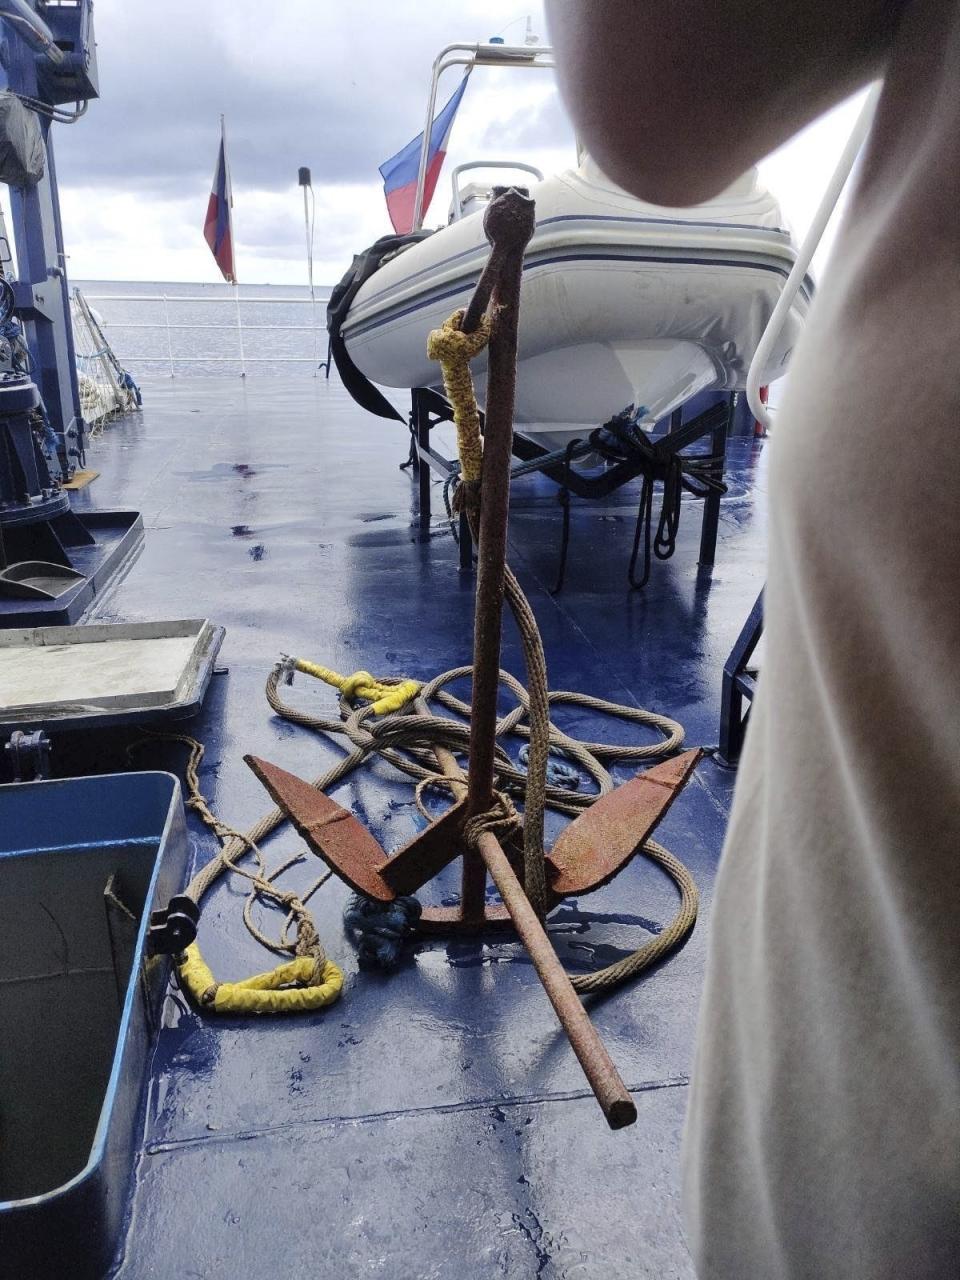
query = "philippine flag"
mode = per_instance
[
  {"x": 400, "y": 171},
  {"x": 218, "y": 225}
]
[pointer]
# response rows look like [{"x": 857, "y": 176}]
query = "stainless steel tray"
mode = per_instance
[{"x": 97, "y": 675}]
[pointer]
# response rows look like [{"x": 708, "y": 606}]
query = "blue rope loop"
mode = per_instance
[
  {"x": 378, "y": 929},
  {"x": 559, "y": 773}
]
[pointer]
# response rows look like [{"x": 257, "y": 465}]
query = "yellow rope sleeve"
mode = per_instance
[
  {"x": 269, "y": 992},
  {"x": 385, "y": 697},
  {"x": 454, "y": 350}
]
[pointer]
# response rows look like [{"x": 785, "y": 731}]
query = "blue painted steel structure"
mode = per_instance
[
  {"x": 63, "y": 72},
  {"x": 433, "y": 1122},
  {"x": 51, "y": 564}
]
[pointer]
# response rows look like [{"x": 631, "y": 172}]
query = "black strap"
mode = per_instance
[
  {"x": 362, "y": 268},
  {"x": 564, "y": 499}
]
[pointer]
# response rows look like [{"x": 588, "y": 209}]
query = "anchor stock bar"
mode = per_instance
[{"x": 509, "y": 223}]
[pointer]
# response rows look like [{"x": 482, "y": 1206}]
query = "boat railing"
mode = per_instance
[
  {"x": 240, "y": 355},
  {"x": 456, "y": 207},
  {"x": 486, "y": 54}
]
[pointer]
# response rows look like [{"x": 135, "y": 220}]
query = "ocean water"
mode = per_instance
[{"x": 191, "y": 330}]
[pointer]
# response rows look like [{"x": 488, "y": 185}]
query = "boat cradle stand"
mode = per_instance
[
  {"x": 429, "y": 409},
  {"x": 739, "y": 686}
]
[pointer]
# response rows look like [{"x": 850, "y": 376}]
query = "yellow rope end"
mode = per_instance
[
  {"x": 454, "y": 349},
  {"x": 385, "y": 697},
  {"x": 292, "y": 987},
  {"x": 395, "y": 697}
]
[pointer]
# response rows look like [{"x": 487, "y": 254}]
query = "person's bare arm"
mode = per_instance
[{"x": 676, "y": 98}]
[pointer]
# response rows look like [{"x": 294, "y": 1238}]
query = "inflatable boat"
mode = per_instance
[{"x": 626, "y": 306}]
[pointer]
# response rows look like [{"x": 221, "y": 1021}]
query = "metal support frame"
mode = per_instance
[
  {"x": 739, "y": 684},
  {"x": 52, "y": 561},
  {"x": 456, "y": 203},
  {"x": 719, "y": 434},
  {"x": 42, "y": 294},
  {"x": 429, "y": 409}
]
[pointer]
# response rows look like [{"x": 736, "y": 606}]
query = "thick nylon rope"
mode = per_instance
[
  {"x": 454, "y": 350},
  {"x": 235, "y": 844},
  {"x": 410, "y": 735},
  {"x": 406, "y": 738}
]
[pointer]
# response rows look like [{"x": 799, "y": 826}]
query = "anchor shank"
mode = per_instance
[
  {"x": 509, "y": 223},
  {"x": 450, "y": 769},
  {"x": 603, "y": 1077}
]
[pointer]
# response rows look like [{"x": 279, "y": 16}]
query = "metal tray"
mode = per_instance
[{"x": 101, "y": 675}]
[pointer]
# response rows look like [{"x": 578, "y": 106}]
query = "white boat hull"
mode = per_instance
[{"x": 623, "y": 305}]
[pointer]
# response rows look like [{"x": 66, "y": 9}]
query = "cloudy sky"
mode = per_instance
[{"x": 338, "y": 87}]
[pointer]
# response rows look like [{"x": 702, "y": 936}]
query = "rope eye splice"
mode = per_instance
[
  {"x": 307, "y": 981},
  {"x": 301, "y": 985},
  {"x": 385, "y": 696}
]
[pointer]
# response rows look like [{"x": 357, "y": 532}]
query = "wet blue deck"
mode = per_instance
[{"x": 433, "y": 1123}]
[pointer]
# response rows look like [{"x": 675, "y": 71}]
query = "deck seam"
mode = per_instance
[{"x": 374, "y": 1117}]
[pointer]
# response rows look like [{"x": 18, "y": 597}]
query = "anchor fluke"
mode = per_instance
[
  {"x": 330, "y": 830},
  {"x": 597, "y": 844}
]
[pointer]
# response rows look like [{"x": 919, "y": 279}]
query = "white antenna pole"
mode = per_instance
[{"x": 309, "y": 211}]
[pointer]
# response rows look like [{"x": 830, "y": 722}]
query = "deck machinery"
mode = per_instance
[{"x": 52, "y": 560}]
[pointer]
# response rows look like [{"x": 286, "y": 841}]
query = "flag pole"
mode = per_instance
[{"x": 233, "y": 248}]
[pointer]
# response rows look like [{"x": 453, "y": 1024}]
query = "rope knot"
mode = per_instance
[
  {"x": 378, "y": 929},
  {"x": 449, "y": 344},
  {"x": 455, "y": 349},
  {"x": 501, "y": 819},
  {"x": 351, "y": 686}
]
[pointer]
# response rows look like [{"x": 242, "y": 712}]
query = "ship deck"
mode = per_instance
[{"x": 434, "y": 1122}]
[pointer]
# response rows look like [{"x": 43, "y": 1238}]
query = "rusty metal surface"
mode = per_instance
[
  {"x": 439, "y": 921},
  {"x": 426, "y": 854},
  {"x": 603, "y": 839},
  {"x": 508, "y": 223},
  {"x": 341, "y": 841},
  {"x": 615, "y": 1101}
]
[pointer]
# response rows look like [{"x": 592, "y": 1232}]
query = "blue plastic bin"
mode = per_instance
[{"x": 83, "y": 862}]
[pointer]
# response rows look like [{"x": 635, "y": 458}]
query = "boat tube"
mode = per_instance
[{"x": 626, "y": 306}]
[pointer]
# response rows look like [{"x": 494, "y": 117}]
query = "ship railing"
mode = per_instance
[
  {"x": 237, "y": 326},
  {"x": 811, "y": 242}
]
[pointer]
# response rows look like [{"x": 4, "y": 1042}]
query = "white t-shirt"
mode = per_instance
[{"x": 823, "y": 1137}]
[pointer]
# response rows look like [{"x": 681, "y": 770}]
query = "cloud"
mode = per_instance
[
  {"x": 338, "y": 87},
  {"x": 291, "y": 80}
]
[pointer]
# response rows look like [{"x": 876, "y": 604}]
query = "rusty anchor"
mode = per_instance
[{"x": 598, "y": 843}]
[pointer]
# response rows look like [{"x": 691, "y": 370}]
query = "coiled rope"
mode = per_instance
[
  {"x": 395, "y": 721},
  {"x": 310, "y": 980},
  {"x": 455, "y": 350},
  {"x": 406, "y": 740}
]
